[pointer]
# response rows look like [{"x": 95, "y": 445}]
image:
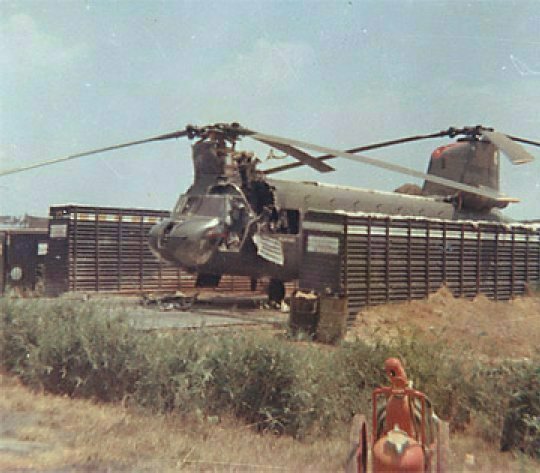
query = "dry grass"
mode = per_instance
[
  {"x": 79, "y": 435},
  {"x": 493, "y": 329}
]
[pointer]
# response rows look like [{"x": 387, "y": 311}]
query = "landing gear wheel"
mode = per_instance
[{"x": 276, "y": 291}]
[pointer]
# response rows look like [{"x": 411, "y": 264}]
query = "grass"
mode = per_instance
[
  {"x": 252, "y": 381},
  {"x": 95, "y": 436},
  {"x": 82, "y": 435}
]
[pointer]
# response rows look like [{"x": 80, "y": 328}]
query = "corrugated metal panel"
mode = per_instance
[
  {"x": 105, "y": 249},
  {"x": 386, "y": 259}
]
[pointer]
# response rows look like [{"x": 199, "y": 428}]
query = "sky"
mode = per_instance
[{"x": 80, "y": 75}]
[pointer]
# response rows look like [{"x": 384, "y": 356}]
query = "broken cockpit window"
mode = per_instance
[{"x": 201, "y": 205}]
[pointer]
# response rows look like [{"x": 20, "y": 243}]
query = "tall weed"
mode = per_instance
[
  {"x": 263, "y": 381},
  {"x": 70, "y": 349}
]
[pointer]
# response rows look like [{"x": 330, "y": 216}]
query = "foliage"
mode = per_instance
[
  {"x": 65, "y": 348},
  {"x": 521, "y": 427},
  {"x": 266, "y": 382},
  {"x": 90, "y": 350},
  {"x": 171, "y": 370}
]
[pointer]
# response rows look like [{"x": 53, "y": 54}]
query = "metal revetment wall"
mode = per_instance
[
  {"x": 385, "y": 259},
  {"x": 101, "y": 249},
  {"x": 3, "y": 251},
  {"x": 23, "y": 253},
  {"x": 324, "y": 245}
]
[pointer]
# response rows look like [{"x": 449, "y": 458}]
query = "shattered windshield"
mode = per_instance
[{"x": 202, "y": 205}]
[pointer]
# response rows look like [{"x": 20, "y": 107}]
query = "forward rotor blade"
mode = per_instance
[
  {"x": 302, "y": 157},
  {"x": 380, "y": 164},
  {"x": 516, "y": 153},
  {"x": 168, "y": 136},
  {"x": 382, "y": 144},
  {"x": 359, "y": 149}
]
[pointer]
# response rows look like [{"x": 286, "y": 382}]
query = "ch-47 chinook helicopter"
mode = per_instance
[{"x": 234, "y": 219}]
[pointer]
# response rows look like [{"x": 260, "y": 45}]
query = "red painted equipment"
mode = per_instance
[{"x": 407, "y": 436}]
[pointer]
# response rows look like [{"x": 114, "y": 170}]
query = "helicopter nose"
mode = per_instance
[{"x": 190, "y": 243}]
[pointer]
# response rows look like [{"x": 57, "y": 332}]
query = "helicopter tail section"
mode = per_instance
[{"x": 471, "y": 162}]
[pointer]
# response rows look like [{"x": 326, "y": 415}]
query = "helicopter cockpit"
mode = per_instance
[
  {"x": 221, "y": 218},
  {"x": 201, "y": 205}
]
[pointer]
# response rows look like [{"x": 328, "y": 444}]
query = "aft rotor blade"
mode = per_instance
[
  {"x": 524, "y": 140},
  {"x": 168, "y": 136},
  {"x": 359, "y": 149},
  {"x": 379, "y": 164},
  {"x": 302, "y": 157},
  {"x": 516, "y": 153}
]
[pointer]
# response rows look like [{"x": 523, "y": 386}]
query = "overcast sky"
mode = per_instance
[{"x": 80, "y": 75}]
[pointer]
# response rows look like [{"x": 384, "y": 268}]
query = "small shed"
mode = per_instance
[{"x": 23, "y": 252}]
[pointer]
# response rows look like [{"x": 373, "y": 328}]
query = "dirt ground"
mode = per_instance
[{"x": 494, "y": 329}]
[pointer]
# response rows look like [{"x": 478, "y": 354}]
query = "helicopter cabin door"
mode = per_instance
[{"x": 237, "y": 223}]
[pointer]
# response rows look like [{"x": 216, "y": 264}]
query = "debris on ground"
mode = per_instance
[{"x": 167, "y": 302}]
